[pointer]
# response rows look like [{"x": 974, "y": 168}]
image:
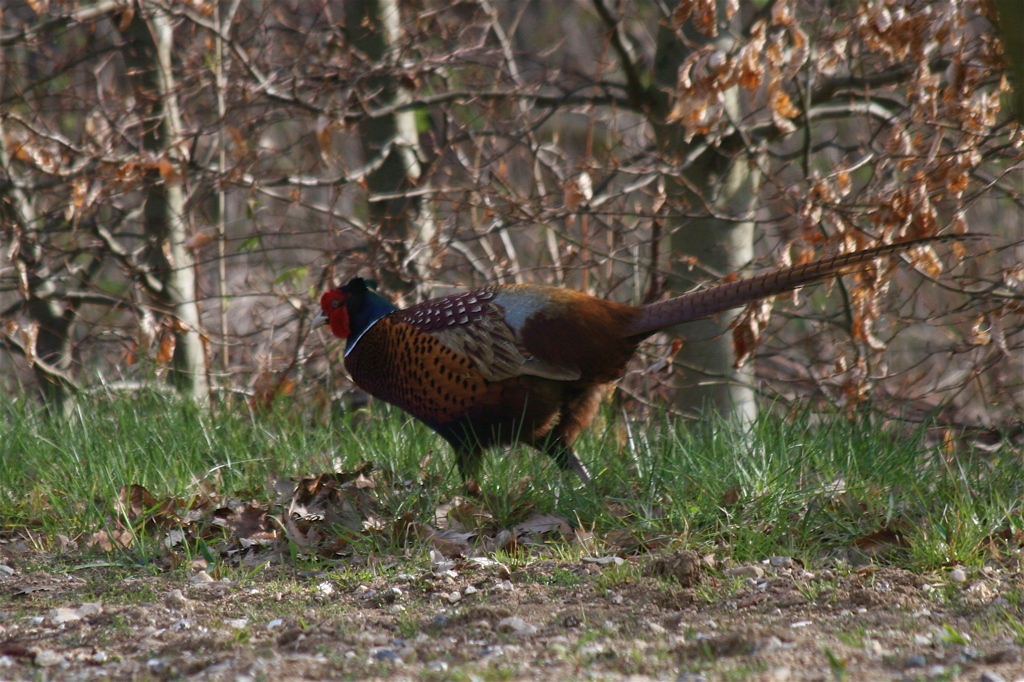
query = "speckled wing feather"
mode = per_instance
[{"x": 473, "y": 326}]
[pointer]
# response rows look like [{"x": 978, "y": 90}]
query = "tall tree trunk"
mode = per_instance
[
  {"x": 725, "y": 182},
  {"x": 373, "y": 28},
  {"x": 1011, "y": 20},
  {"x": 148, "y": 55}
]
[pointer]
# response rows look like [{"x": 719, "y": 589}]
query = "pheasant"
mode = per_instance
[{"x": 521, "y": 362}]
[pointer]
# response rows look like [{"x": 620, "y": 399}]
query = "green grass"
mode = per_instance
[{"x": 810, "y": 489}]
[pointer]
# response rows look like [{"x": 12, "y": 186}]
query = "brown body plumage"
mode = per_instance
[{"x": 523, "y": 363}]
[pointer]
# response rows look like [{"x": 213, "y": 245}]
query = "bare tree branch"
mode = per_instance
[
  {"x": 639, "y": 97},
  {"x": 81, "y": 15},
  {"x": 54, "y": 374}
]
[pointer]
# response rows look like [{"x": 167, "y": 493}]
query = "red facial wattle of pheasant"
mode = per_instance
[{"x": 524, "y": 363}]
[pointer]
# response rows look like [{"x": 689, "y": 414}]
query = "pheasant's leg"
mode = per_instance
[
  {"x": 468, "y": 460},
  {"x": 566, "y": 459},
  {"x": 578, "y": 411}
]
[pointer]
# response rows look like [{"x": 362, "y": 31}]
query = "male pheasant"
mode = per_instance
[{"x": 522, "y": 362}]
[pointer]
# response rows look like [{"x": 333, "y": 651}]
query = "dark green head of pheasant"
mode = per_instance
[{"x": 352, "y": 308}]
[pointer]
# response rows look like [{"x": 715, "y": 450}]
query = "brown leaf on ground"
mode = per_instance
[
  {"x": 685, "y": 567},
  {"x": 451, "y": 544},
  {"x": 328, "y": 509},
  {"x": 246, "y": 520},
  {"x": 462, "y": 514},
  {"x": 880, "y": 541},
  {"x": 544, "y": 524},
  {"x": 16, "y": 650},
  {"x": 731, "y": 496},
  {"x": 135, "y": 502},
  {"x": 626, "y": 542},
  {"x": 106, "y": 541}
]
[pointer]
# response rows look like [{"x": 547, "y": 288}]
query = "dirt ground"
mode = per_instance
[{"x": 604, "y": 619}]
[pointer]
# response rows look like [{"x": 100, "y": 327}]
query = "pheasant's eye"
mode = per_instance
[{"x": 335, "y": 303}]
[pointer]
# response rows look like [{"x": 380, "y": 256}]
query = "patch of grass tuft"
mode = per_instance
[{"x": 816, "y": 487}]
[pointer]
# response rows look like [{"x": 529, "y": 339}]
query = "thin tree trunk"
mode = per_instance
[
  {"x": 705, "y": 377},
  {"x": 373, "y": 28},
  {"x": 1011, "y": 21},
  {"x": 722, "y": 243},
  {"x": 148, "y": 54}
]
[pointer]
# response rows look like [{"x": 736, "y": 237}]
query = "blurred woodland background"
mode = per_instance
[{"x": 181, "y": 179}]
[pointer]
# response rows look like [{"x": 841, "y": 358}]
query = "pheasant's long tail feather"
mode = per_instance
[{"x": 694, "y": 306}]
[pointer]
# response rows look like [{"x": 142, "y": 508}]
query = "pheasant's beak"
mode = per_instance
[{"x": 319, "y": 321}]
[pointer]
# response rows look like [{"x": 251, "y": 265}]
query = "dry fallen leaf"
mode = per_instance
[{"x": 540, "y": 524}]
